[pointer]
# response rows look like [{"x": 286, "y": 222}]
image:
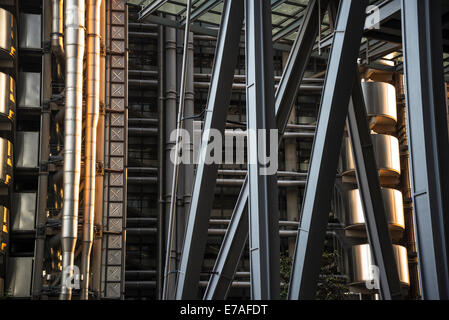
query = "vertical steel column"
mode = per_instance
[
  {"x": 263, "y": 194},
  {"x": 237, "y": 232},
  {"x": 371, "y": 194},
  {"x": 173, "y": 218},
  {"x": 44, "y": 153},
  {"x": 225, "y": 61},
  {"x": 170, "y": 125},
  {"x": 326, "y": 149},
  {"x": 428, "y": 141},
  {"x": 161, "y": 158}
]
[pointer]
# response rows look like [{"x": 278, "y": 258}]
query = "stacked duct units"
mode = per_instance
[
  {"x": 26, "y": 152},
  {"x": 8, "y": 75},
  {"x": 380, "y": 101}
]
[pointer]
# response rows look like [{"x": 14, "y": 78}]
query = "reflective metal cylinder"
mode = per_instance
[
  {"x": 380, "y": 102},
  {"x": 6, "y": 161},
  {"x": 386, "y": 150},
  {"x": 8, "y": 34},
  {"x": 364, "y": 271},
  {"x": 393, "y": 207},
  {"x": 7, "y": 96}
]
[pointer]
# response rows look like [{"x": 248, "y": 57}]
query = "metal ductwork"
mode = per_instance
[
  {"x": 364, "y": 271},
  {"x": 6, "y": 156},
  {"x": 380, "y": 101},
  {"x": 7, "y": 96},
  {"x": 8, "y": 34},
  {"x": 74, "y": 49},
  {"x": 386, "y": 149},
  {"x": 57, "y": 27},
  {"x": 393, "y": 204},
  {"x": 93, "y": 109}
]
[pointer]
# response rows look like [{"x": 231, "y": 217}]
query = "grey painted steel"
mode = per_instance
[
  {"x": 371, "y": 195},
  {"x": 90, "y": 141},
  {"x": 326, "y": 149},
  {"x": 74, "y": 47},
  {"x": 428, "y": 141},
  {"x": 161, "y": 158},
  {"x": 218, "y": 101},
  {"x": 170, "y": 124},
  {"x": 234, "y": 241},
  {"x": 263, "y": 208},
  {"x": 202, "y": 9},
  {"x": 166, "y": 293}
]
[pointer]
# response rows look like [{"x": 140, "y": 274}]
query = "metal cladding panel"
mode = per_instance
[
  {"x": 30, "y": 31},
  {"x": 386, "y": 149},
  {"x": 27, "y": 149},
  {"x": 18, "y": 277},
  {"x": 24, "y": 211},
  {"x": 7, "y": 95},
  {"x": 8, "y": 32},
  {"x": 6, "y": 156},
  {"x": 362, "y": 265},
  {"x": 380, "y": 101},
  {"x": 29, "y": 90},
  {"x": 393, "y": 205}
]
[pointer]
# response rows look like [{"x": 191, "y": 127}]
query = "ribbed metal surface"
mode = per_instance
[
  {"x": 7, "y": 95},
  {"x": 380, "y": 101},
  {"x": 362, "y": 262}
]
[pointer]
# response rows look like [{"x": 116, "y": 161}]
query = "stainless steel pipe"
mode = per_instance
[
  {"x": 57, "y": 27},
  {"x": 74, "y": 48},
  {"x": 92, "y": 112}
]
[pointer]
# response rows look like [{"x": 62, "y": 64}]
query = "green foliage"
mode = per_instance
[{"x": 330, "y": 287}]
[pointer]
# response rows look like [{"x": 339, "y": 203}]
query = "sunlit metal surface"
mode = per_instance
[
  {"x": 393, "y": 205},
  {"x": 30, "y": 31},
  {"x": 6, "y": 156},
  {"x": 364, "y": 271},
  {"x": 18, "y": 278},
  {"x": 8, "y": 33},
  {"x": 386, "y": 149},
  {"x": 27, "y": 149},
  {"x": 380, "y": 101},
  {"x": 24, "y": 211},
  {"x": 7, "y": 95}
]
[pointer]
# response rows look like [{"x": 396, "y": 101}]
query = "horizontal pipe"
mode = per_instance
[
  {"x": 141, "y": 220},
  {"x": 140, "y": 285},
  {"x": 142, "y": 180},
  {"x": 145, "y": 132},
  {"x": 141, "y": 231},
  {"x": 136, "y": 34},
  {"x": 281, "y": 223},
  {"x": 140, "y": 273},
  {"x": 281, "y": 183},
  {"x": 282, "y": 233},
  {"x": 142, "y": 170},
  {"x": 142, "y": 73}
]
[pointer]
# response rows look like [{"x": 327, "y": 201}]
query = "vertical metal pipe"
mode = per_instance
[
  {"x": 57, "y": 27},
  {"x": 188, "y": 125},
  {"x": 43, "y": 159},
  {"x": 92, "y": 111},
  {"x": 74, "y": 48},
  {"x": 171, "y": 228},
  {"x": 160, "y": 177},
  {"x": 170, "y": 124},
  {"x": 98, "y": 217}
]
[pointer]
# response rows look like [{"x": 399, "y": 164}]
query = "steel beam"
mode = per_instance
[
  {"x": 428, "y": 141},
  {"x": 260, "y": 113},
  {"x": 202, "y": 9},
  {"x": 234, "y": 241},
  {"x": 371, "y": 195},
  {"x": 205, "y": 180},
  {"x": 326, "y": 149},
  {"x": 151, "y": 7}
]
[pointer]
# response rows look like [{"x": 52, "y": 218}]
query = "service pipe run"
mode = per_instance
[
  {"x": 57, "y": 28},
  {"x": 74, "y": 51},
  {"x": 92, "y": 113}
]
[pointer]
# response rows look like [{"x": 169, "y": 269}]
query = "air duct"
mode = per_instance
[
  {"x": 57, "y": 27},
  {"x": 93, "y": 109},
  {"x": 74, "y": 50}
]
